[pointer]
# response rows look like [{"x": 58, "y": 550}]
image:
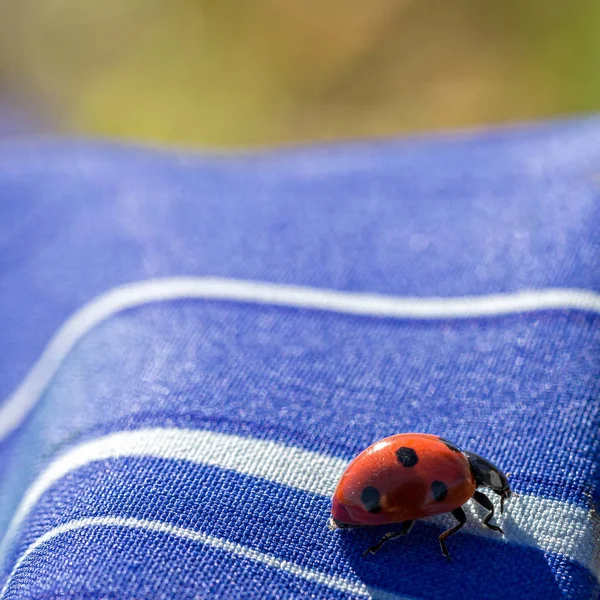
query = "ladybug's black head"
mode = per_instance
[{"x": 488, "y": 475}]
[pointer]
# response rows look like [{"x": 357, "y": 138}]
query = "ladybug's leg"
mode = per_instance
[
  {"x": 461, "y": 517},
  {"x": 487, "y": 503},
  {"x": 391, "y": 535}
]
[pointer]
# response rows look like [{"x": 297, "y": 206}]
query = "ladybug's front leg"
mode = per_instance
[
  {"x": 487, "y": 503},
  {"x": 391, "y": 535}
]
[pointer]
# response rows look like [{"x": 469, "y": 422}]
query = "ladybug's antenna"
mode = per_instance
[
  {"x": 502, "y": 498},
  {"x": 591, "y": 502},
  {"x": 512, "y": 495}
]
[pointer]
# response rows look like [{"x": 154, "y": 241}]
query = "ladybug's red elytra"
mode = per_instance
[{"x": 409, "y": 476}]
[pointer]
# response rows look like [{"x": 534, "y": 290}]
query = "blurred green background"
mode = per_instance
[{"x": 223, "y": 73}]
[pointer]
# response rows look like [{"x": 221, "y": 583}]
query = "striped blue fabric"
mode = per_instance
[{"x": 193, "y": 347}]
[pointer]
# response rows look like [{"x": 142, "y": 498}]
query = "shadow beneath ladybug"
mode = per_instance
[{"x": 479, "y": 567}]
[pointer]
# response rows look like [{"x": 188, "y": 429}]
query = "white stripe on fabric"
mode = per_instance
[
  {"x": 338, "y": 583},
  {"x": 21, "y": 402},
  {"x": 549, "y": 525}
]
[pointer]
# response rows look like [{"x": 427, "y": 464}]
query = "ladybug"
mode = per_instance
[{"x": 409, "y": 476}]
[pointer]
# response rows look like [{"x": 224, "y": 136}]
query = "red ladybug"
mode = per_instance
[{"x": 413, "y": 475}]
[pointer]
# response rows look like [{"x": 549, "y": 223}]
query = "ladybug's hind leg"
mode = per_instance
[
  {"x": 461, "y": 517},
  {"x": 391, "y": 535},
  {"x": 487, "y": 503}
]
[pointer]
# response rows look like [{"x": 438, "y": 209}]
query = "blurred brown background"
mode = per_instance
[{"x": 224, "y": 73}]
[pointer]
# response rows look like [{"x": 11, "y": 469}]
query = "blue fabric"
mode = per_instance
[{"x": 433, "y": 217}]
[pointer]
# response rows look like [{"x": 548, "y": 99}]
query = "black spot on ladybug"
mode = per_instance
[
  {"x": 440, "y": 491},
  {"x": 450, "y": 445},
  {"x": 370, "y": 499},
  {"x": 407, "y": 457}
]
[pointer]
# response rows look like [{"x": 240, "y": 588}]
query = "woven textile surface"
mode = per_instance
[{"x": 193, "y": 347}]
